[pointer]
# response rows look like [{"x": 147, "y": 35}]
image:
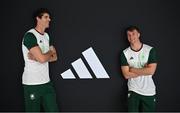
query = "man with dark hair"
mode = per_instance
[
  {"x": 38, "y": 89},
  {"x": 138, "y": 65}
]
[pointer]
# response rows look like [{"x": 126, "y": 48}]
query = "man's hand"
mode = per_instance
[
  {"x": 52, "y": 49},
  {"x": 54, "y": 55},
  {"x": 31, "y": 57}
]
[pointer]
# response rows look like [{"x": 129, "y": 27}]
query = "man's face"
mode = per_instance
[
  {"x": 133, "y": 36},
  {"x": 44, "y": 20}
]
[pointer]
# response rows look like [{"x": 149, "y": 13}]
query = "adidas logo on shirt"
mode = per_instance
[{"x": 131, "y": 58}]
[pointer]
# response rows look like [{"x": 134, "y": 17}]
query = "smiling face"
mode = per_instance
[
  {"x": 44, "y": 20},
  {"x": 133, "y": 36}
]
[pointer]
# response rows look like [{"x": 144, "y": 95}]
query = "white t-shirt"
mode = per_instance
[
  {"x": 143, "y": 85},
  {"x": 35, "y": 73}
]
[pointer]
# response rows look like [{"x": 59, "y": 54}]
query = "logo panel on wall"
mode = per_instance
[{"x": 81, "y": 69}]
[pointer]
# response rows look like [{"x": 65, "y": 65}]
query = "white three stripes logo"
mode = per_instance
[{"x": 82, "y": 70}]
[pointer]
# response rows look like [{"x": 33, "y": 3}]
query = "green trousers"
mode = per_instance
[
  {"x": 140, "y": 103},
  {"x": 40, "y": 95}
]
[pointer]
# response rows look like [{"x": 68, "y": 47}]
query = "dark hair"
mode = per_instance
[
  {"x": 132, "y": 28},
  {"x": 39, "y": 13}
]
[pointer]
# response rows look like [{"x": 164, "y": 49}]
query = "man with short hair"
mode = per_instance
[
  {"x": 138, "y": 65},
  {"x": 38, "y": 89}
]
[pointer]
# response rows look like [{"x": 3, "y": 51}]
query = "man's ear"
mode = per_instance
[
  {"x": 37, "y": 18},
  {"x": 139, "y": 34}
]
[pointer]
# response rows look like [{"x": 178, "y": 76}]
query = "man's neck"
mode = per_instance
[
  {"x": 136, "y": 46},
  {"x": 40, "y": 29}
]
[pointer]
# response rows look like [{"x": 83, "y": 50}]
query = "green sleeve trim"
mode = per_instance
[
  {"x": 123, "y": 60},
  {"x": 30, "y": 40},
  {"x": 152, "y": 56}
]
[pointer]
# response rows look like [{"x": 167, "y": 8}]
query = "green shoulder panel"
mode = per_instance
[
  {"x": 123, "y": 60},
  {"x": 152, "y": 56},
  {"x": 30, "y": 40}
]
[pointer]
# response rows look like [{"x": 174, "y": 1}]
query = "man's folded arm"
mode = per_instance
[{"x": 39, "y": 56}]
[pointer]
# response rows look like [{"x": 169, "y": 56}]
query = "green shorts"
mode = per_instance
[
  {"x": 137, "y": 102},
  {"x": 40, "y": 95}
]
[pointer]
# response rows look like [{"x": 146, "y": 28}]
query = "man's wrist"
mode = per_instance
[{"x": 50, "y": 52}]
